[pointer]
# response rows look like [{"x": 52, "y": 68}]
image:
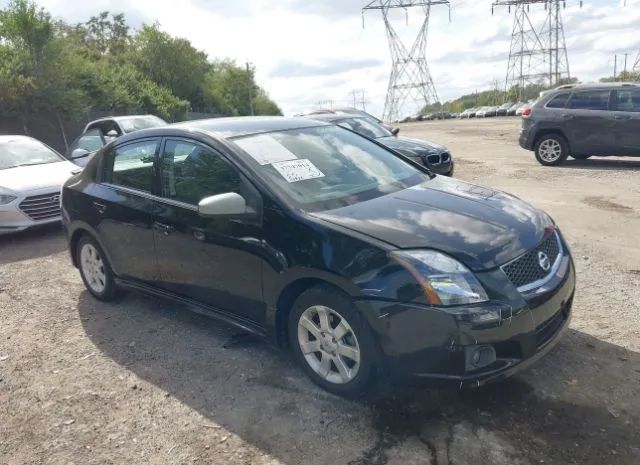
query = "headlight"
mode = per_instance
[
  {"x": 5, "y": 199},
  {"x": 445, "y": 281}
]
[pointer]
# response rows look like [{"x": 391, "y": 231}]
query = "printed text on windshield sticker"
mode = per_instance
[{"x": 298, "y": 170}]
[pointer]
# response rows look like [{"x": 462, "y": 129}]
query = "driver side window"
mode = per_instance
[{"x": 191, "y": 172}]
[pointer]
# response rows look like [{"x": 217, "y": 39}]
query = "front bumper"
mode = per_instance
[
  {"x": 13, "y": 219},
  {"x": 433, "y": 345}
]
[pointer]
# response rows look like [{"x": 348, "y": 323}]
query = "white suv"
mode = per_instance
[{"x": 31, "y": 176}]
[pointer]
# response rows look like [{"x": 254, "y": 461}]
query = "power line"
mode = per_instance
[{"x": 410, "y": 81}]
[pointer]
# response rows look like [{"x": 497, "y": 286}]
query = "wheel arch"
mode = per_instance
[
  {"x": 288, "y": 296},
  {"x": 75, "y": 234}
]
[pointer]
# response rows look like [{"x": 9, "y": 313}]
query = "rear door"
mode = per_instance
[
  {"x": 627, "y": 121},
  {"x": 214, "y": 260},
  {"x": 588, "y": 122},
  {"x": 123, "y": 204}
]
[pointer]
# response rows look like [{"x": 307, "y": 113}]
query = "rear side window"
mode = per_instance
[
  {"x": 132, "y": 165},
  {"x": 559, "y": 101},
  {"x": 590, "y": 100},
  {"x": 628, "y": 100}
]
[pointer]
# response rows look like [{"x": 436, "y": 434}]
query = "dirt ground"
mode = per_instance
[{"x": 143, "y": 381}]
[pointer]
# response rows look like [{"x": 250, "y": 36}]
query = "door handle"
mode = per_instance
[
  {"x": 100, "y": 207},
  {"x": 567, "y": 116},
  {"x": 163, "y": 228},
  {"x": 621, "y": 117}
]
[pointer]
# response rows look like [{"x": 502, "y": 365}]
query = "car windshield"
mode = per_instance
[
  {"x": 326, "y": 167},
  {"x": 364, "y": 127},
  {"x": 137, "y": 123},
  {"x": 25, "y": 152}
]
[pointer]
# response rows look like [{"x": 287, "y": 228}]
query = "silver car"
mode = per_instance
[
  {"x": 31, "y": 176},
  {"x": 100, "y": 132}
]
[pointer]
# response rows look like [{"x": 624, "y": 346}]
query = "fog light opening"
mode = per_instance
[{"x": 482, "y": 356}]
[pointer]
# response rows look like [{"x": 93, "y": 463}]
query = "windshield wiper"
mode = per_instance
[{"x": 31, "y": 164}]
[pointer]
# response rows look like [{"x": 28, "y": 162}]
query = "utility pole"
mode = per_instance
[
  {"x": 249, "y": 88},
  {"x": 625, "y": 66},
  {"x": 410, "y": 86},
  {"x": 615, "y": 65}
]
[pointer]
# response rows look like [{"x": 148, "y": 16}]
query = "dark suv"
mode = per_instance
[{"x": 583, "y": 120}]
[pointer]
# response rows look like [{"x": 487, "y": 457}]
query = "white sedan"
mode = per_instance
[{"x": 31, "y": 176}]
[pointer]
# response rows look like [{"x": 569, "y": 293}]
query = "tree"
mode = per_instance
[{"x": 171, "y": 62}]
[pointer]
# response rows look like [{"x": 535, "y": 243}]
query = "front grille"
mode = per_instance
[
  {"x": 41, "y": 207},
  {"x": 438, "y": 158},
  {"x": 526, "y": 269}
]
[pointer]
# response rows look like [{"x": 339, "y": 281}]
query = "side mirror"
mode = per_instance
[
  {"x": 395, "y": 131},
  {"x": 113, "y": 133},
  {"x": 79, "y": 153},
  {"x": 229, "y": 203}
]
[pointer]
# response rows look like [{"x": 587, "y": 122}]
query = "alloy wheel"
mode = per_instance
[
  {"x": 550, "y": 150},
  {"x": 93, "y": 268},
  {"x": 329, "y": 344}
]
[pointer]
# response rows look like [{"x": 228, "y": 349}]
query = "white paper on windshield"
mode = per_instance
[
  {"x": 265, "y": 149},
  {"x": 298, "y": 170}
]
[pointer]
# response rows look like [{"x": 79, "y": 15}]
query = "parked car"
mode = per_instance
[
  {"x": 100, "y": 132},
  {"x": 354, "y": 111},
  {"x": 324, "y": 241},
  {"x": 503, "y": 109},
  {"x": 482, "y": 112},
  {"x": 429, "y": 154},
  {"x": 473, "y": 112},
  {"x": 31, "y": 176},
  {"x": 582, "y": 121},
  {"x": 513, "y": 108}
]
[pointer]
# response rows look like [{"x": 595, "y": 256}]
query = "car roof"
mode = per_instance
[
  {"x": 225, "y": 128},
  {"x": 596, "y": 85},
  {"x": 11, "y": 137},
  {"x": 118, "y": 118},
  {"x": 329, "y": 117}
]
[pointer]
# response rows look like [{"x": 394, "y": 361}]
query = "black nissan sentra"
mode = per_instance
[{"x": 361, "y": 262}]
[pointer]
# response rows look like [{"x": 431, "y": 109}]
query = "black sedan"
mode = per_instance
[
  {"x": 361, "y": 262},
  {"x": 434, "y": 156}
]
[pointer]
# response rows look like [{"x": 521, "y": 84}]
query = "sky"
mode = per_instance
[{"x": 310, "y": 51}]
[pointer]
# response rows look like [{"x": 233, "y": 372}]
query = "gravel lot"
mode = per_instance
[{"x": 143, "y": 381}]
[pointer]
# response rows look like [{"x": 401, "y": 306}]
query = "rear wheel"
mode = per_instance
[
  {"x": 332, "y": 341},
  {"x": 95, "y": 269},
  {"x": 551, "y": 150}
]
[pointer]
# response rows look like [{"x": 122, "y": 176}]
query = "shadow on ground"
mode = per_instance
[
  {"x": 617, "y": 164},
  {"x": 32, "y": 243},
  {"x": 556, "y": 414}
]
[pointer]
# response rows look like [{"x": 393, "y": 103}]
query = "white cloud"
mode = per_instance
[{"x": 329, "y": 53}]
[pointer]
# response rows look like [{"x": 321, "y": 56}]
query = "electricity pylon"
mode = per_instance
[
  {"x": 410, "y": 82},
  {"x": 538, "y": 54}
]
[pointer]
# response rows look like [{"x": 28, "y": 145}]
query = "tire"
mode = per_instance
[
  {"x": 580, "y": 157},
  {"x": 95, "y": 270},
  {"x": 345, "y": 352},
  {"x": 551, "y": 150}
]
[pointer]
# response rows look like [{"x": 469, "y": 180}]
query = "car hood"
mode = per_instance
[
  {"x": 29, "y": 178},
  {"x": 481, "y": 227},
  {"x": 407, "y": 143}
]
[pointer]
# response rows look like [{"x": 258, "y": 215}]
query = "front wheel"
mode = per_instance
[
  {"x": 332, "y": 341},
  {"x": 551, "y": 150}
]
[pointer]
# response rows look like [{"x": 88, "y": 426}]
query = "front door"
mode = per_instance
[
  {"x": 122, "y": 206},
  {"x": 213, "y": 260},
  {"x": 589, "y": 123},
  {"x": 627, "y": 117}
]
